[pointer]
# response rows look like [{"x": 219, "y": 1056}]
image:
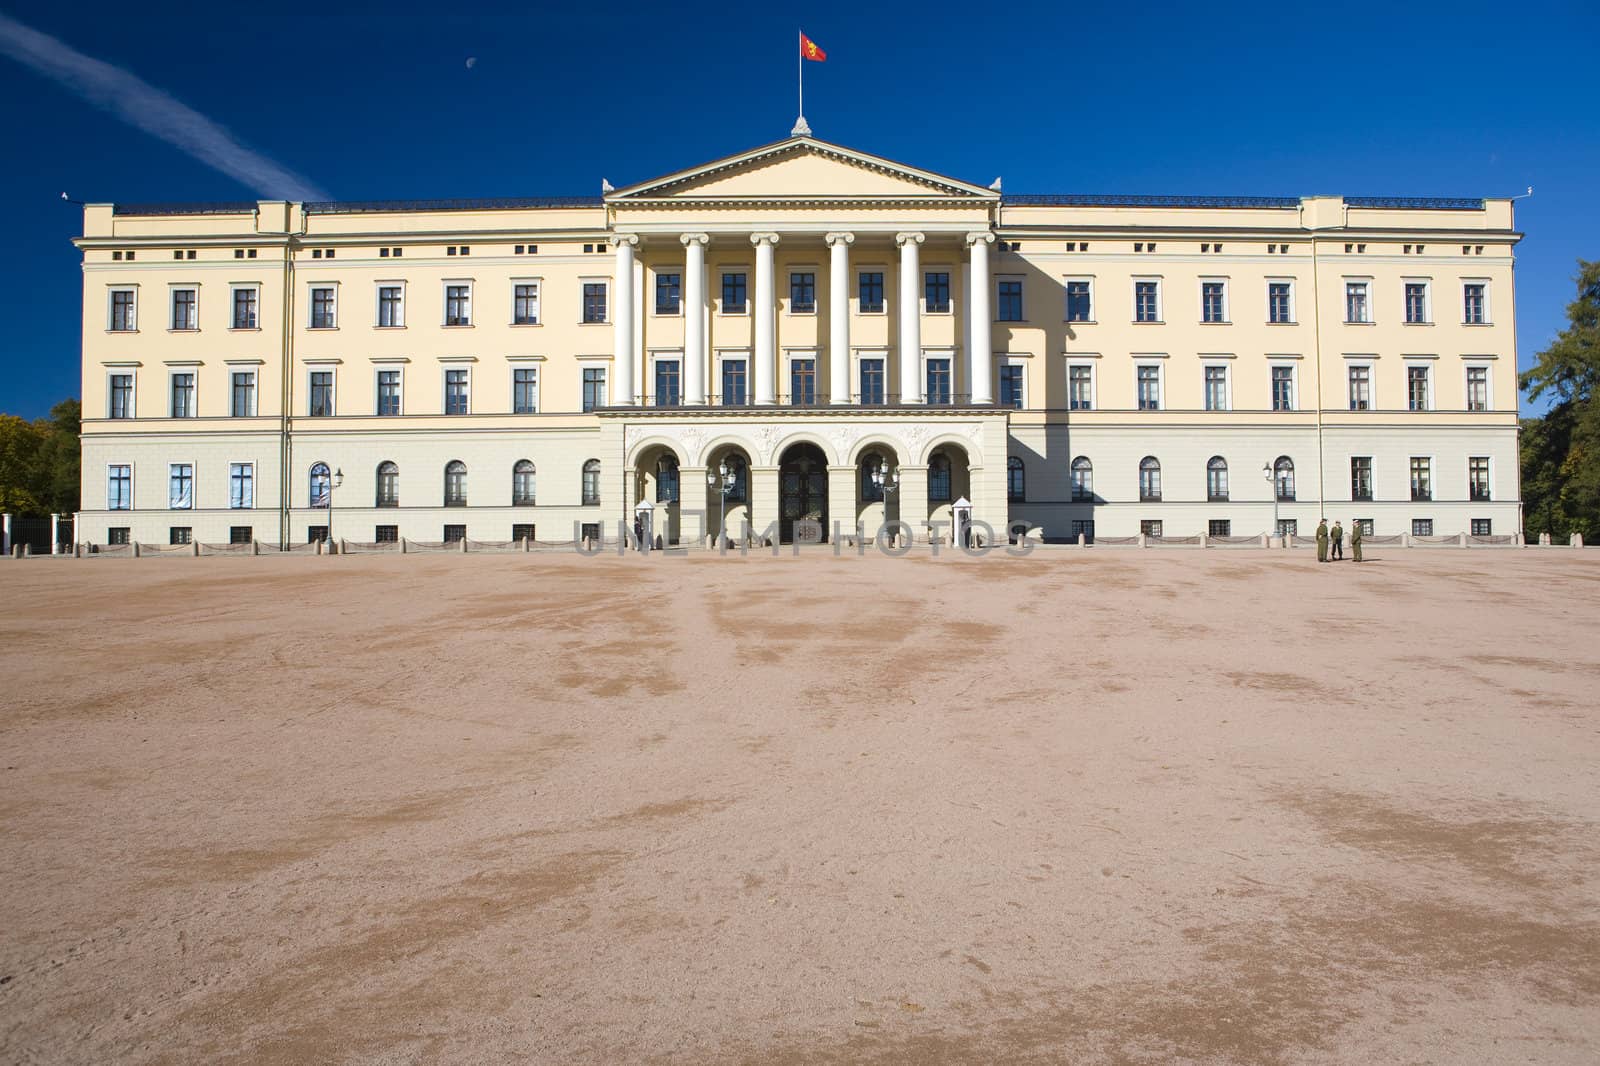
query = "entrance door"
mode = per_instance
[{"x": 803, "y": 490}]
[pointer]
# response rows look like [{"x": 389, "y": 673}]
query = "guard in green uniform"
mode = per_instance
[
  {"x": 1337, "y": 541},
  {"x": 1322, "y": 541},
  {"x": 1355, "y": 539}
]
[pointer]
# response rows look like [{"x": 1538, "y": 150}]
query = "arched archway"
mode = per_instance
[
  {"x": 949, "y": 479},
  {"x": 802, "y": 489},
  {"x": 727, "y": 499},
  {"x": 657, "y": 479}
]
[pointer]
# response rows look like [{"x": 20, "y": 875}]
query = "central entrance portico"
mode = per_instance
[{"x": 803, "y": 490}]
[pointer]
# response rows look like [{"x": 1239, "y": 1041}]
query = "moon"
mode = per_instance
[{"x": 472, "y": 61}]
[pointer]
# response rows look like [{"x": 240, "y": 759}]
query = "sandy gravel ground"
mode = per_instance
[{"x": 1104, "y": 807}]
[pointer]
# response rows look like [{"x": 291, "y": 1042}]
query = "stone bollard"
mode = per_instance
[
  {"x": 136, "y": 549},
  {"x": 1141, "y": 540},
  {"x": 255, "y": 546},
  {"x": 1577, "y": 540},
  {"x": 1461, "y": 539},
  {"x": 195, "y": 546},
  {"x": 527, "y": 545},
  {"x": 1083, "y": 540},
  {"x": 1544, "y": 540},
  {"x": 463, "y": 545},
  {"x": 1266, "y": 540},
  {"x": 1405, "y": 540},
  {"x": 1204, "y": 541}
]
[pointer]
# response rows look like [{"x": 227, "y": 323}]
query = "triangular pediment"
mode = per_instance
[{"x": 802, "y": 168}]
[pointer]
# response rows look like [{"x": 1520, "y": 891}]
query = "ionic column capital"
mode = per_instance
[
  {"x": 839, "y": 238},
  {"x": 701, "y": 239},
  {"x": 619, "y": 239},
  {"x": 901, "y": 239},
  {"x": 980, "y": 238},
  {"x": 763, "y": 238}
]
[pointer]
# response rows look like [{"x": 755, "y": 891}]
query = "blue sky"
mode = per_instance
[{"x": 378, "y": 102}]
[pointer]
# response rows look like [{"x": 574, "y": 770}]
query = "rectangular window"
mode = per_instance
[
  {"x": 1417, "y": 388},
  {"x": 180, "y": 535},
  {"x": 321, "y": 394},
  {"x": 1147, "y": 301},
  {"x": 1474, "y": 311},
  {"x": 1083, "y": 527},
  {"x": 735, "y": 382},
  {"x": 1421, "y": 477},
  {"x": 386, "y": 534},
  {"x": 458, "y": 305},
  {"x": 525, "y": 390},
  {"x": 936, "y": 292},
  {"x": 594, "y": 301},
  {"x": 803, "y": 382},
  {"x": 180, "y": 484},
  {"x": 1283, "y": 388},
  {"x": 669, "y": 293},
  {"x": 185, "y": 309},
  {"x": 1080, "y": 388},
  {"x": 1366, "y": 526},
  {"x": 241, "y": 485},
  {"x": 1482, "y": 527},
  {"x": 391, "y": 306},
  {"x": 803, "y": 294},
  {"x": 388, "y": 392},
  {"x": 1011, "y": 386},
  {"x": 1008, "y": 300},
  {"x": 1149, "y": 388},
  {"x": 121, "y": 396},
  {"x": 1422, "y": 527},
  {"x": 1478, "y": 477},
  {"x": 455, "y": 534},
  {"x": 1288, "y": 527},
  {"x": 1216, "y": 382},
  {"x": 1151, "y": 528},
  {"x": 1477, "y": 388},
  {"x": 1355, "y": 302},
  {"x": 1080, "y": 301},
  {"x": 241, "y": 534},
  {"x": 1416, "y": 302},
  {"x": 525, "y": 304},
  {"x": 594, "y": 387},
  {"x": 735, "y": 294},
  {"x": 456, "y": 392},
  {"x": 323, "y": 312},
  {"x": 668, "y": 384},
  {"x": 872, "y": 386},
  {"x": 939, "y": 381},
  {"x": 1360, "y": 388},
  {"x": 316, "y": 534},
  {"x": 245, "y": 306},
  {"x": 119, "y": 487},
  {"x": 1213, "y": 301},
  {"x": 870, "y": 292},
  {"x": 1361, "y": 477},
  {"x": 183, "y": 395},
  {"x": 522, "y": 531},
  {"x": 123, "y": 319},
  {"x": 1219, "y": 527},
  {"x": 1280, "y": 302},
  {"x": 243, "y": 393}
]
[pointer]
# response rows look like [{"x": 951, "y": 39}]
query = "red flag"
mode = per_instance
[{"x": 809, "y": 50}]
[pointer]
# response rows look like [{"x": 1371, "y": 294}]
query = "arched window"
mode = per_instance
[
  {"x": 1149, "y": 478},
  {"x": 939, "y": 479},
  {"x": 1217, "y": 478},
  {"x": 871, "y": 491},
  {"x": 1016, "y": 480},
  {"x": 1082, "y": 478},
  {"x": 320, "y": 485},
  {"x": 455, "y": 484},
  {"x": 522, "y": 483},
  {"x": 741, "y": 478},
  {"x": 591, "y": 482},
  {"x": 1283, "y": 475},
  {"x": 388, "y": 484},
  {"x": 667, "y": 479}
]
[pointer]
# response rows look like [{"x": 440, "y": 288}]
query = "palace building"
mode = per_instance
[{"x": 808, "y": 317}]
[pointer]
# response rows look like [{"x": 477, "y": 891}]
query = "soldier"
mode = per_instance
[
  {"x": 1355, "y": 539},
  {"x": 1338, "y": 540},
  {"x": 1322, "y": 541}
]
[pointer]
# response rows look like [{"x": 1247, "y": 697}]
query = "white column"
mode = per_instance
[
  {"x": 839, "y": 318},
  {"x": 910, "y": 297},
  {"x": 764, "y": 310},
  {"x": 694, "y": 322},
  {"x": 980, "y": 343},
  {"x": 622, "y": 320}
]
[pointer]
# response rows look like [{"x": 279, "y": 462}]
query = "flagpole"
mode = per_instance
[{"x": 800, "y": 70}]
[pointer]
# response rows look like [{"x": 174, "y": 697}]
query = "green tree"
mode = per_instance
[
  {"x": 20, "y": 441},
  {"x": 39, "y": 462},
  {"x": 1561, "y": 451}
]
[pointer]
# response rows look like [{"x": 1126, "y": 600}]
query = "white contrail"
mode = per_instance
[{"x": 159, "y": 114}]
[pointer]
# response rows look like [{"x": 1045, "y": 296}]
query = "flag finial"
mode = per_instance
[{"x": 801, "y": 128}]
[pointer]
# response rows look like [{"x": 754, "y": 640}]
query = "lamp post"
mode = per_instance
[
  {"x": 1266, "y": 471},
  {"x": 886, "y": 481},
  {"x": 333, "y": 483},
  {"x": 724, "y": 479}
]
